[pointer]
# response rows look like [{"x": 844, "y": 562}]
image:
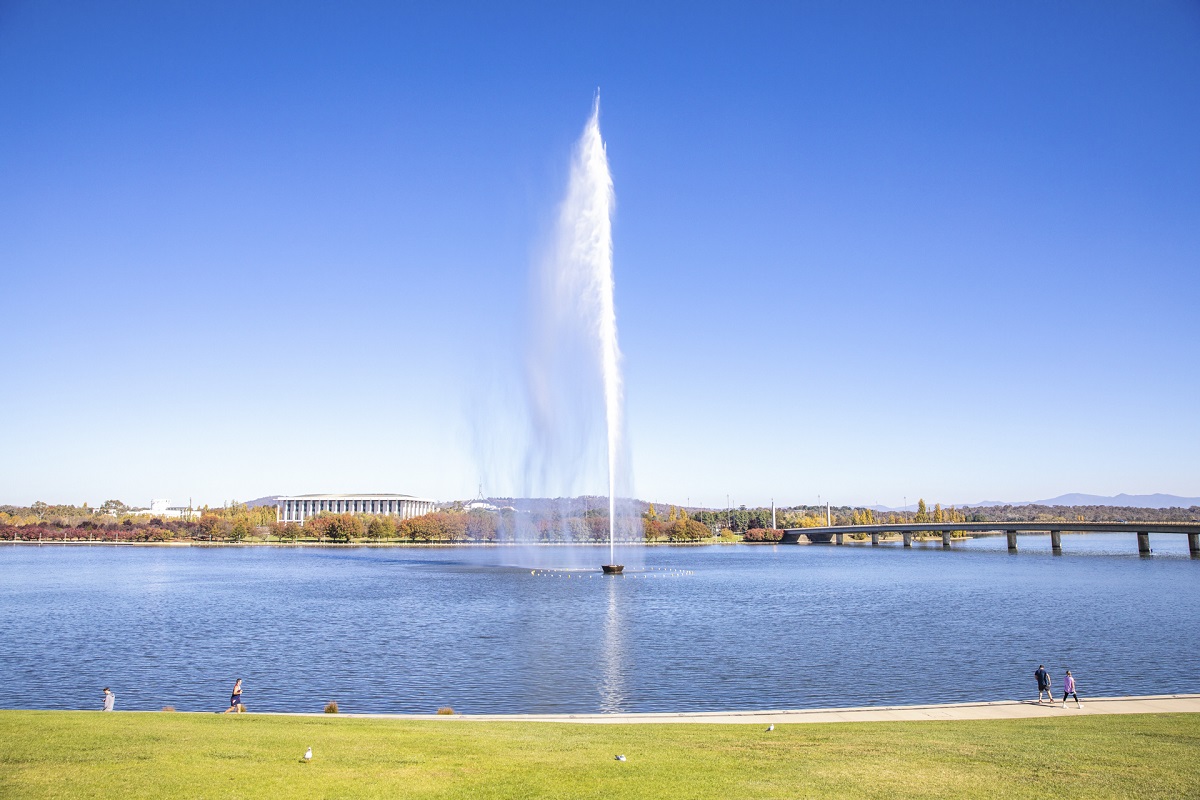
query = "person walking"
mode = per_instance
[
  {"x": 235, "y": 698},
  {"x": 1043, "y": 682},
  {"x": 1069, "y": 689},
  {"x": 110, "y": 699}
]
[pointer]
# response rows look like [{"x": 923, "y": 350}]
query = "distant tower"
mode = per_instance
[{"x": 772, "y": 513}]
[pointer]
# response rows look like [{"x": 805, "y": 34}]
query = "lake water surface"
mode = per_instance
[{"x": 692, "y": 629}]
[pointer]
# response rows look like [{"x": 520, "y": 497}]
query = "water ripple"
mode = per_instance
[{"x": 700, "y": 629}]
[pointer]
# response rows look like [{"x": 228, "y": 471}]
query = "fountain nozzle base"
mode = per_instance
[{"x": 612, "y": 569}]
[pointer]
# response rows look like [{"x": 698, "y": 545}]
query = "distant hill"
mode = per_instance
[
  {"x": 1121, "y": 500},
  {"x": 543, "y": 504},
  {"x": 549, "y": 505},
  {"x": 270, "y": 500}
]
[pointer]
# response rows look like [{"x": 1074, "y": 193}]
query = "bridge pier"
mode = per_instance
[{"x": 836, "y": 534}]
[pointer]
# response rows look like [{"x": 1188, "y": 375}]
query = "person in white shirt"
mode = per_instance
[{"x": 110, "y": 699}]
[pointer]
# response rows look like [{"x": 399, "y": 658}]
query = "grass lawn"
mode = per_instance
[{"x": 163, "y": 755}]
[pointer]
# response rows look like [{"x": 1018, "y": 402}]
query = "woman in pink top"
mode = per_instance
[{"x": 1069, "y": 689}]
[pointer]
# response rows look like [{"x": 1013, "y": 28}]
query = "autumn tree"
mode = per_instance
[
  {"x": 685, "y": 529},
  {"x": 317, "y": 525},
  {"x": 762, "y": 535},
  {"x": 862, "y": 516},
  {"x": 208, "y": 525},
  {"x": 381, "y": 528},
  {"x": 653, "y": 530},
  {"x": 285, "y": 530},
  {"x": 343, "y": 527},
  {"x": 240, "y": 529},
  {"x": 482, "y": 526}
]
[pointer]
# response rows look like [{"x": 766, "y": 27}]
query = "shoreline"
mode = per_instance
[
  {"x": 396, "y": 544},
  {"x": 979, "y": 710},
  {"x": 987, "y": 710},
  {"x": 343, "y": 545}
]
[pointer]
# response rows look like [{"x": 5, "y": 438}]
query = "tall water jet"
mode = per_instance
[
  {"x": 585, "y": 239},
  {"x": 574, "y": 444},
  {"x": 581, "y": 289}
]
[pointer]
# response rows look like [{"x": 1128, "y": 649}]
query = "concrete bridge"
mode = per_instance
[{"x": 1143, "y": 530}]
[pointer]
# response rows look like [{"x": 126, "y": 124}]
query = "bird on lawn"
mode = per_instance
[
  {"x": 620, "y": 758},
  {"x": 308, "y": 755},
  {"x": 771, "y": 727}
]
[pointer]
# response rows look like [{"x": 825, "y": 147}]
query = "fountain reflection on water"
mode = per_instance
[{"x": 613, "y": 664}]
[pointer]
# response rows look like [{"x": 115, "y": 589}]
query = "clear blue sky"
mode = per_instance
[{"x": 865, "y": 251}]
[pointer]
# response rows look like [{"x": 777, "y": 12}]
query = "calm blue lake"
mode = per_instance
[{"x": 690, "y": 629}]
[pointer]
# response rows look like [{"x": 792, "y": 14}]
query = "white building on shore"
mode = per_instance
[
  {"x": 298, "y": 508},
  {"x": 164, "y": 510}
]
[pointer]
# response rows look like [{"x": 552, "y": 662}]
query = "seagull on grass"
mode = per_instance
[
  {"x": 308, "y": 755},
  {"x": 771, "y": 727},
  {"x": 620, "y": 758}
]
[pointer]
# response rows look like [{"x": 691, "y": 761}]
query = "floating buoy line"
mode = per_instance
[{"x": 644, "y": 574}]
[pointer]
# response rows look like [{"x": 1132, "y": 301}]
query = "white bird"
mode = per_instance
[
  {"x": 771, "y": 727},
  {"x": 620, "y": 758},
  {"x": 308, "y": 755}
]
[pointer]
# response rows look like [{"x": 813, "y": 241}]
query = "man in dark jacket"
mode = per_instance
[{"x": 1043, "y": 679}]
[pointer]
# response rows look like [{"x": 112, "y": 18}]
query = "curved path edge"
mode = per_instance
[{"x": 1000, "y": 709}]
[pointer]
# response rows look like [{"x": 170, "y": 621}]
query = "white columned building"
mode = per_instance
[{"x": 298, "y": 508}]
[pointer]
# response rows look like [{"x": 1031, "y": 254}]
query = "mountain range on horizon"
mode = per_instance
[{"x": 1157, "y": 500}]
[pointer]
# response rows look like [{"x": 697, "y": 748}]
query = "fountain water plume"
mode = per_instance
[
  {"x": 580, "y": 278},
  {"x": 586, "y": 221},
  {"x": 573, "y": 391}
]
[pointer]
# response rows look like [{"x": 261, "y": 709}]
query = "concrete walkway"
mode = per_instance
[{"x": 1001, "y": 709}]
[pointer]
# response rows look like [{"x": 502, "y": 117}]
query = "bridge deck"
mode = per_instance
[
  {"x": 1095, "y": 527},
  {"x": 1055, "y": 529}
]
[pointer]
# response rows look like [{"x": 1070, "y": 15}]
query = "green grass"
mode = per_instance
[{"x": 156, "y": 755}]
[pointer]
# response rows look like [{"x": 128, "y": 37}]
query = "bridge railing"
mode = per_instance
[{"x": 836, "y": 533}]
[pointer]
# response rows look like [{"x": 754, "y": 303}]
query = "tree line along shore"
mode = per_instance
[{"x": 532, "y": 521}]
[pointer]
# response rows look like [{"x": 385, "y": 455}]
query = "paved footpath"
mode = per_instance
[{"x": 1001, "y": 709}]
